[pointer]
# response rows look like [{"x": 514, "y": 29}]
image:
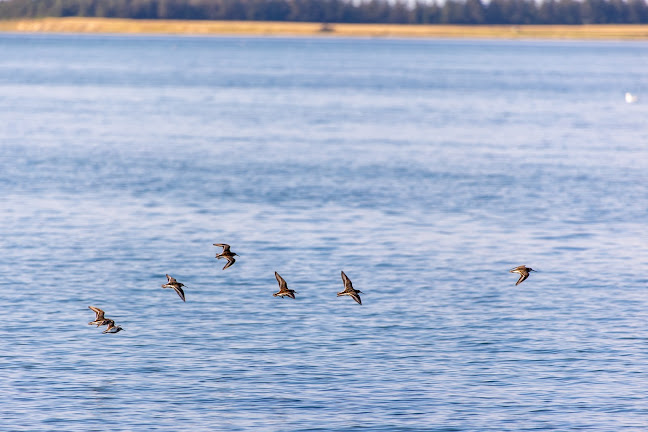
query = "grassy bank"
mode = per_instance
[{"x": 127, "y": 26}]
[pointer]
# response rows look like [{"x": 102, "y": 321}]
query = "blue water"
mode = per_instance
[{"x": 423, "y": 169}]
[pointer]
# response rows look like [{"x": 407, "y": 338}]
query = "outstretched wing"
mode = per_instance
[
  {"x": 170, "y": 280},
  {"x": 356, "y": 297},
  {"x": 230, "y": 261},
  {"x": 180, "y": 292},
  {"x": 98, "y": 312},
  {"x": 225, "y": 246},
  {"x": 283, "y": 286},
  {"x": 348, "y": 286},
  {"x": 523, "y": 275}
]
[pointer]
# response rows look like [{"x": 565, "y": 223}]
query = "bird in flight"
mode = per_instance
[
  {"x": 99, "y": 318},
  {"x": 177, "y": 286},
  {"x": 226, "y": 253},
  {"x": 523, "y": 271},
  {"x": 112, "y": 328},
  {"x": 349, "y": 290},
  {"x": 283, "y": 288}
]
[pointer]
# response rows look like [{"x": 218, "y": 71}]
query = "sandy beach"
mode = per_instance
[{"x": 129, "y": 26}]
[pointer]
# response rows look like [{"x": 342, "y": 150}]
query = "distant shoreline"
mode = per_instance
[{"x": 270, "y": 28}]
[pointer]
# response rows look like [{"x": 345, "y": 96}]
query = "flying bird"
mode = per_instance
[
  {"x": 523, "y": 272},
  {"x": 349, "y": 290},
  {"x": 99, "y": 319},
  {"x": 102, "y": 321},
  {"x": 227, "y": 254},
  {"x": 177, "y": 286},
  {"x": 283, "y": 288},
  {"x": 112, "y": 328}
]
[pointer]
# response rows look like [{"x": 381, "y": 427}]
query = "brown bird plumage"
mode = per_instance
[
  {"x": 283, "y": 288},
  {"x": 112, "y": 328},
  {"x": 523, "y": 271},
  {"x": 349, "y": 290},
  {"x": 100, "y": 320},
  {"x": 226, "y": 253},
  {"x": 177, "y": 286}
]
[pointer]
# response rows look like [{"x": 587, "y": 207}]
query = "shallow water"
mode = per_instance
[{"x": 423, "y": 169}]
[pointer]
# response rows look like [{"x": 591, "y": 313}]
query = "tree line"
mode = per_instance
[{"x": 513, "y": 12}]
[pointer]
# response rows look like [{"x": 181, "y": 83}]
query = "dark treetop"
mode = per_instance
[{"x": 344, "y": 11}]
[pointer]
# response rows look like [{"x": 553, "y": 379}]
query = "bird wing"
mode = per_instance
[
  {"x": 225, "y": 246},
  {"x": 180, "y": 292},
  {"x": 230, "y": 261},
  {"x": 98, "y": 312},
  {"x": 170, "y": 279},
  {"x": 523, "y": 275},
  {"x": 356, "y": 297},
  {"x": 348, "y": 286},
  {"x": 283, "y": 286}
]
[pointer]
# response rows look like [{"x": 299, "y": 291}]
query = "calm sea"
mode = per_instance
[{"x": 423, "y": 169}]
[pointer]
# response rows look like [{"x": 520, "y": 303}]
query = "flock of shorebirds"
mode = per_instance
[{"x": 284, "y": 291}]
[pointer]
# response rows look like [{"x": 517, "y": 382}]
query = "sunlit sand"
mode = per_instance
[{"x": 129, "y": 26}]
